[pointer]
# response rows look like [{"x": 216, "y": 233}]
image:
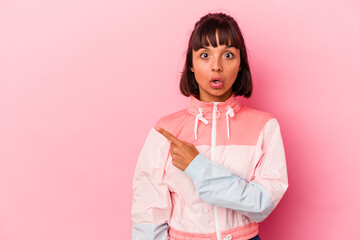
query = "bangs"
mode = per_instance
[{"x": 207, "y": 32}]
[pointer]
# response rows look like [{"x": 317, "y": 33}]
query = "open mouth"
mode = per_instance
[{"x": 216, "y": 83}]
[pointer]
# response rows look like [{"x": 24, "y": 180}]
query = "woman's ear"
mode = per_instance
[{"x": 192, "y": 69}]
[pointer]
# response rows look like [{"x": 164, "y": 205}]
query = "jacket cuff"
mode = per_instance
[{"x": 197, "y": 167}]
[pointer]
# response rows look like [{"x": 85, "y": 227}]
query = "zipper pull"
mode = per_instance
[{"x": 215, "y": 109}]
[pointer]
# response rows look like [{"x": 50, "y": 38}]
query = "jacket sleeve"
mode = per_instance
[
  {"x": 256, "y": 199},
  {"x": 151, "y": 203}
]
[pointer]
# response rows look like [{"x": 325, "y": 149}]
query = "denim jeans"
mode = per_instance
[{"x": 255, "y": 238}]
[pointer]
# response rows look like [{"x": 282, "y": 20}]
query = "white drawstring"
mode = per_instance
[
  {"x": 199, "y": 116},
  {"x": 230, "y": 111}
]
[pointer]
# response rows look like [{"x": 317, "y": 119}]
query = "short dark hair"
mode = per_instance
[{"x": 227, "y": 28}]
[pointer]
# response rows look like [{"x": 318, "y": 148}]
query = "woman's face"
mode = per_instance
[{"x": 209, "y": 62}]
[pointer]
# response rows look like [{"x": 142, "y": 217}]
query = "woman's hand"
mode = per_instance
[{"x": 182, "y": 152}]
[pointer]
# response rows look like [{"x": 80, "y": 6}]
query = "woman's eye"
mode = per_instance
[
  {"x": 230, "y": 54},
  {"x": 203, "y": 54}
]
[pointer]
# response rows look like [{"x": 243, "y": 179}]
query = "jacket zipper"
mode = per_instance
[{"x": 213, "y": 144}]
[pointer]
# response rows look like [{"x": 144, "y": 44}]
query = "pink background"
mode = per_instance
[{"x": 82, "y": 82}]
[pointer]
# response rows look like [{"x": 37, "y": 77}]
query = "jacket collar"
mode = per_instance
[{"x": 195, "y": 105}]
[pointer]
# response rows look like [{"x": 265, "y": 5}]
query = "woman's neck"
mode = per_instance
[{"x": 212, "y": 98}]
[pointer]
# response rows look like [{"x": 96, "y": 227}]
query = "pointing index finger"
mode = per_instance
[{"x": 168, "y": 135}]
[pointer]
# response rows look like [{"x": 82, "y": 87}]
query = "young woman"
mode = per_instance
[{"x": 217, "y": 168}]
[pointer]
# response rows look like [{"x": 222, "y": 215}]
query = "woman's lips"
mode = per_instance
[{"x": 216, "y": 82}]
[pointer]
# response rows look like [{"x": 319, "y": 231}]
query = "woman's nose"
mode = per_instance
[{"x": 216, "y": 65}]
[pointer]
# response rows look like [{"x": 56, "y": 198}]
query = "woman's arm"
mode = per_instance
[
  {"x": 151, "y": 204},
  {"x": 150, "y": 231},
  {"x": 256, "y": 199}
]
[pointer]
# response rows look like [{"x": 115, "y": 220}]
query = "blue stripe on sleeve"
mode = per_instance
[
  {"x": 149, "y": 231},
  {"x": 218, "y": 186}
]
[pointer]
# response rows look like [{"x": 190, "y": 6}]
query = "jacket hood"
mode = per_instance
[
  {"x": 204, "y": 111},
  {"x": 207, "y": 107}
]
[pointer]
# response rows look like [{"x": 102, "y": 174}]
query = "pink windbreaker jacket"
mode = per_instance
[{"x": 235, "y": 182}]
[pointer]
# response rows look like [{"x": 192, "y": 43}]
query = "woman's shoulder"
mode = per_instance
[{"x": 254, "y": 115}]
